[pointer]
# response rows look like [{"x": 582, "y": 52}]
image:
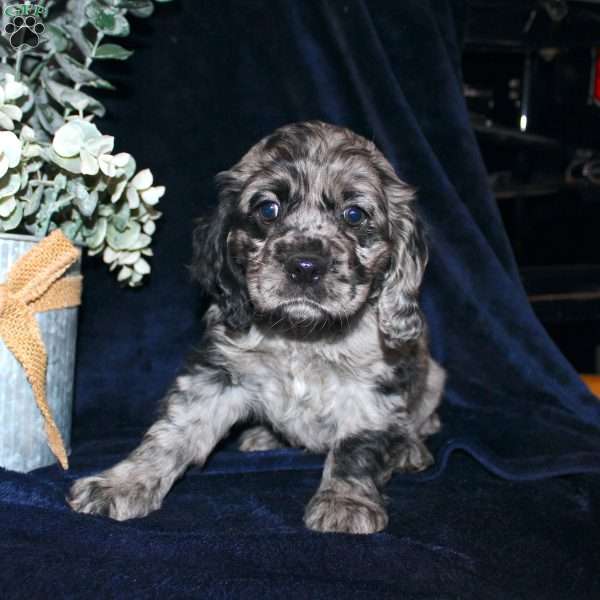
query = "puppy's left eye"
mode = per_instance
[
  {"x": 269, "y": 211},
  {"x": 353, "y": 215}
]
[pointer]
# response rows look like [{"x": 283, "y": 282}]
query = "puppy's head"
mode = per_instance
[{"x": 312, "y": 224}]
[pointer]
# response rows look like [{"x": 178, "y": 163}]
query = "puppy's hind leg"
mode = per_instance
[
  {"x": 412, "y": 454},
  {"x": 424, "y": 416},
  {"x": 258, "y": 439},
  {"x": 198, "y": 413}
]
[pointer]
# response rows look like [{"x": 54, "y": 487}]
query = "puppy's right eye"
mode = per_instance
[{"x": 268, "y": 211}]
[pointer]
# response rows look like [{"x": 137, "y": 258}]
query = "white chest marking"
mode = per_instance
[{"x": 315, "y": 394}]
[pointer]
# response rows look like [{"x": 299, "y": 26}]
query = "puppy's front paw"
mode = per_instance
[
  {"x": 104, "y": 495},
  {"x": 331, "y": 511}
]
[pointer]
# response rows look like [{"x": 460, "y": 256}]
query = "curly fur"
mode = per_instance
[{"x": 337, "y": 364}]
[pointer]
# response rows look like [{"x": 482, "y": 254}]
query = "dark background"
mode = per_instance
[{"x": 552, "y": 222}]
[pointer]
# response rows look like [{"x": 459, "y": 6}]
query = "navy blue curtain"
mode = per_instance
[{"x": 508, "y": 509}]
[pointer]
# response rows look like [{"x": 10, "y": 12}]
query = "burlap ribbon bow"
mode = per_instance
[{"x": 33, "y": 285}]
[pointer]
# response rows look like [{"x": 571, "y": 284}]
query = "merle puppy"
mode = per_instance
[{"x": 313, "y": 260}]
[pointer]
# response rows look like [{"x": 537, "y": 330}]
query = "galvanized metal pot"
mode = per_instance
[{"x": 23, "y": 444}]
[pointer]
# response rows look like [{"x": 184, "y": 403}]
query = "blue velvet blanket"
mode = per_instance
[{"x": 510, "y": 510}]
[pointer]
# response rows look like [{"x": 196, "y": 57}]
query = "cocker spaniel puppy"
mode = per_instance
[{"x": 313, "y": 260}]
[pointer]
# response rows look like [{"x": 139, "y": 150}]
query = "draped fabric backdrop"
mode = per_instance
[{"x": 510, "y": 508}]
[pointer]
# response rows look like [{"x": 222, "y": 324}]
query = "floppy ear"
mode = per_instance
[
  {"x": 212, "y": 264},
  {"x": 400, "y": 318}
]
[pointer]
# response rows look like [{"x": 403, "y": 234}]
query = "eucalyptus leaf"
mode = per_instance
[
  {"x": 7, "y": 205},
  {"x": 109, "y": 255},
  {"x": 112, "y": 51},
  {"x": 57, "y": 39},
  {"x": 6, "y": 122},
  {"x": 78, "y": 189},
  {"x": 143, "y": 13},
  {"x": 35, "y": 72},
  {"x": 84, "y": 200},
  {"x": 50, "y": 196},
  {"x": 135, "y": 280},
  {"x": 118, "y": 189},
  {"x": 77, "y": 10},
  {"x": 40, "y": 94},
  {"x": 129, "y": 258},
  {"x": 141, "y": 242},
  {"x": 33, "y": 166},
  {"x": 73, "y": 165},
  {"x": 107, "y": 20},
  {"x": 122, "y": 217},
  {"x": 70, "y": 229},
  {"x": 152, "y": 195},
  {"x": 56, "y": 90},
  {"x": 5, "y": 69},
  {"x": 93, "y": 251},
  {"x": 60, "y": 182},
  {"x": 32, "y": 201},
  {"x": 99, "y": 16},
  {"x": 88, "y": 206},
  {"x": 49, "y": 118},
  {"x": 10, "y": 184},
  {"x": 127, "y": 163},
  {"x": 124, "y": 240},
  {"x": 13, "y": 220},
  {"x": 142, "y": 267},
  {"x": 95, "y": 237},
  {"x": 106, "y": 210},
  {"x": 61, "y": 203},
  {"x": 23, "y": 179},
  {"x": 28, "y": 104},
  {"x": 34, "y": 228},
  {"x": 124, "y": 274},
  {"x": 101, "y": 84},
  {"x": 83, "y": 44},
  {"x": 73, "y": 70},
  {"x": 149, "y": 227},
  {"x": 121, "y": 28},
  {"x": 72, "y": 98}
]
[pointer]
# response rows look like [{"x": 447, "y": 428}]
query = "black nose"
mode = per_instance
[{"x": 306, "y": 270}]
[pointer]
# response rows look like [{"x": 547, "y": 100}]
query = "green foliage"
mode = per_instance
[{"x": 56, "y": 167}]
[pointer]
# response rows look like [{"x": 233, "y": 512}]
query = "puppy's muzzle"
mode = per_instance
[{"x": 306, "y": 270}]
